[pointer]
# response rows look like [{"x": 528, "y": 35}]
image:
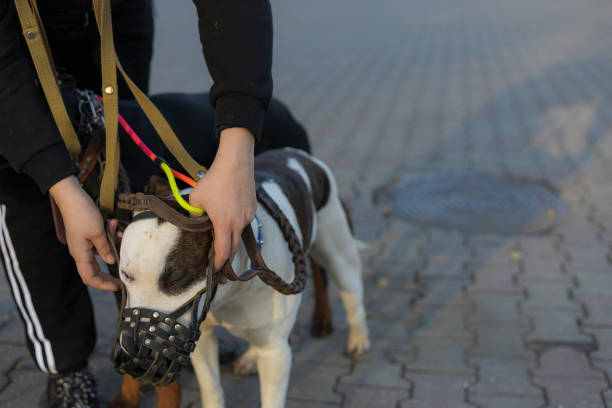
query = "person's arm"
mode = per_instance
[
  {"x": 30, "y": 142},
  {"x": 236, "y": 38}
]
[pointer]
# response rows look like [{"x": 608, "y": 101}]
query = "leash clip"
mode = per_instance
[{"x": 91, "y": 109}]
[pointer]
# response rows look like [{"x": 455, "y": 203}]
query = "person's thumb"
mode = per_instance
[{"x": 103, "y": 248}]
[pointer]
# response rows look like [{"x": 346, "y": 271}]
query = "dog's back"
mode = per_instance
[{"x": 304, "y": 182}]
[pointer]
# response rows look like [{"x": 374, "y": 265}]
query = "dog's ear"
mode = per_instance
[{"x": 158, "y": 186}]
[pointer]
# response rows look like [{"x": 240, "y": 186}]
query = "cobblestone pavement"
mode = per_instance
[{"x": 405, "y": 87}]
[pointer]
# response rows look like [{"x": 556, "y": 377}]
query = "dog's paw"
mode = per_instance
[
  {"x": 358, "y": 344},
  {"x": 246, "y": 364},
  {"x": 321, "y": 328}
]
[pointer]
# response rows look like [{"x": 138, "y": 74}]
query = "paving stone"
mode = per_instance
[
  {"x": 495, "y": 280},
  {"x": 603, "y": 336},
  {"x": 437, "y": 390},
  {"x": 328, "y": 349},
  {"x": 440, "y": 240},
  {"x": 239, "y": 391},
  {"x": 579, "y": 236},
  {"x": 446, "y": 266},
  {"x": 449, "y": 293},
  {"x": 394, "y": 338},
  {"x": 315, "y": 382},
  {"x": 594, "y": 284},
  {"x": 10, "y": 356},
  {"x": 499, "y": 401},
  {"x": 486, "y": 245},
  {"x": 12, "y": 332},
  {"x": 503, "y": 377},
  {"x": 541, "y": 246},
  {"x": 572, "y": 392},
  {"x": 440, "y": 322},
  {"x": 500, "y": 341},
  {"x": 24, "y": 390},
  {"x": 296, "y": 403},
  {"x": 189, "y": 399},
  {"x": 588, "y": 257},
  {"x": 489, "y": 255},
  {"x": 607, "y": 396},
  {"x": 494, "y": 308},
  {"x": 549, "y": 295},
  {"x": 557, "y": 328},
  {"x": 439, "y": 356},
  {"x": 376, "y": 373},
  {"x": 544, "y": 270},
  {"x": 361, "y": 396},
  {"x": 391, "y": 305},
  {"x": 598, "y": 310},
  {"x": 567, "y": 363},
  {"x": 109, "y": 381},
  {"x": 7, "y": 308}
]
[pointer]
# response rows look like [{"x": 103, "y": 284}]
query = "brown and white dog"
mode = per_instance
[{"x": 162, "y": 267}]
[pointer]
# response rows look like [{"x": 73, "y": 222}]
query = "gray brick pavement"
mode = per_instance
[{"x": 385, "y": 90}]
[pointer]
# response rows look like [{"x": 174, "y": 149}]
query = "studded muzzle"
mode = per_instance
[{"x": 153, "y": 346}]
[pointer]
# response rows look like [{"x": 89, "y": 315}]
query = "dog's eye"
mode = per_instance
[{"x": 173, "y": 278}]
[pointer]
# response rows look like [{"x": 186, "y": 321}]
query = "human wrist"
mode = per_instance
[
  {"x": 236, "y": 145},
  {"x": 65, "y": 191}
]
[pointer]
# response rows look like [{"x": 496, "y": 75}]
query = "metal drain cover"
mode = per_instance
[{"x": 474, "y": 203}]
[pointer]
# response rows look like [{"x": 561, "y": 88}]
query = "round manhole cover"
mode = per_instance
[{"x": 474, "y": 203}]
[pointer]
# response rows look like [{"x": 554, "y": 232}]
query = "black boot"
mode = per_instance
[{"x": 74, "y": 390}]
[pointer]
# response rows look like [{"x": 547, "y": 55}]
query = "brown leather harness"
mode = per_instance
[{"x": 161, "y": 208}]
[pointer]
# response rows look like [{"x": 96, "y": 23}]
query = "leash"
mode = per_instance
[
  {"x": 35, "y": 36},
  {"x": 170, "y": 173}
]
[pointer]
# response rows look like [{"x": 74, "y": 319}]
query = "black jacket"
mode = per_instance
[{"x": 236, "y": 38}]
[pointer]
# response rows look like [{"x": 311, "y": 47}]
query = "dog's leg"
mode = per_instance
[
  {"x": 335, "y": 249},
  {"x": 205, "y": 362},
  {"x": 274, "y": 366},
  {"x": 129, "y": 397},
  {"x": 169, "y": 396},
  {"x": 322, "y": 316}
]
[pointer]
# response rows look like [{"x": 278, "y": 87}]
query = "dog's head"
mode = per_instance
[
  {"x": 163, "y": 269},
  {"x": 161, "y": 265}
]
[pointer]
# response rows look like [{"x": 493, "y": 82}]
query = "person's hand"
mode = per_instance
[
  {"x": 84, "y": 233},
  {"x": 227, "y": 191}
]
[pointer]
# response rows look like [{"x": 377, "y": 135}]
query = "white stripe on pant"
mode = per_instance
[{"x": 42, "y": 346}]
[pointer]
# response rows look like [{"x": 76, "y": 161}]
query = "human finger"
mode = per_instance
[
  {"x": 103, "y": 248},
  {"x": 90, "y": 273},
  {"x": 223, "y": 244}
]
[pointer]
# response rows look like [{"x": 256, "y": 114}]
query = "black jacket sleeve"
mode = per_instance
[
  {"x": 236, "y": 37},
  {"x": 29, "y": 139}
]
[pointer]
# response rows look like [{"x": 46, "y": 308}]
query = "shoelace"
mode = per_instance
[{"x": 76, "y": 390}]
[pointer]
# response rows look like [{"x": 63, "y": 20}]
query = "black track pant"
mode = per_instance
[{"x": 50, "y": 297}]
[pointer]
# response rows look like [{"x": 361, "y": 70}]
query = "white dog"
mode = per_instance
[{"x": 163, "y": 266}]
